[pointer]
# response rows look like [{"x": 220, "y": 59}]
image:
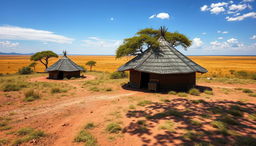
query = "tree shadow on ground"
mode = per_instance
[{"x": 197, "y": 122}]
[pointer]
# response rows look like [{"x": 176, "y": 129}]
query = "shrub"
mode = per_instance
[
  {"x": 25, "y": 70},
  {"x": 85, "y": 136},
  {"x": 182, "y": 94},
  {"x": 242, "y": 74},
  {"x": 25, "y": 131},
  {"x": 247, "y": 91},
  {"x": 209, "y": 92},
  {"x": 11, "y": 87},
  {"x": 95, "y": 89},
  {"x": 132, "y": 106},
  {"x": 113, "y": 128},
  {"x": 118, "y": 75},
  {"x": 144, "y": 103},
  {"x": 55, "y": 90},
  {"x": 195, "y": 122},
  {"x": 29, "y": 134},
  {"x": 31, "y": 95},
  {"x": 89, "y": 126},
  {"x": 254, "y": 76},
  {"x": 252, "y": 94},
  {"x": 194, "y": 91},
  {"x": 172, "y": 92},
  {"x": 108, "y": 89}
]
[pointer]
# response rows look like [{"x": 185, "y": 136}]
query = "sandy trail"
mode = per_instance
[{"x": 28, "y": 112}]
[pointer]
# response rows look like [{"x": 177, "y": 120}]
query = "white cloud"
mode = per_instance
[
  {"x": 160, "y": 16},
  {"x": 220, "y": 4},
  {"x": 111, "y": 19},
  {"x": 204, "y": 33},
  {"x": 197, "y": 42},
  {"x": 238, "y": 7},
  {"x": 152, "y": 16},
  {"x": 223, "y": 32},
  {"x": 220, "y": 38},
  {"x": 253, "y": 37},
  {"x": 19, "y": 33},
  {"x": 8, "y": 44},
  {"x": 204, "y": 8},
  {"x": 99, "y": 43},
  {"x": 232, "y": 40},
  {"x": 248, "y": 0},
  {"x": 217, "y": 10},
  {"x": 242, "y": 17}
]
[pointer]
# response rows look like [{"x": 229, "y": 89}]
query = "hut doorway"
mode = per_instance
[
  {"x": 144, "y": 80},
  {"x": 60, "y": 75}
]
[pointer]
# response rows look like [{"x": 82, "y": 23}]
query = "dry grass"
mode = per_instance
[{"x": 218, "y": 66}]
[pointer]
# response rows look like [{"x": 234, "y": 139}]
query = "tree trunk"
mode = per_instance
[{"x": 90, "y": 68}]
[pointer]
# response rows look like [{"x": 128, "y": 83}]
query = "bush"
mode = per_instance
[
  {"x": 25, "y": 70},
  {"x": 172, "y": 93},
  {"x": 242, "y": 74},
  {"x": 194, "y": 91},
  {"x": 247, "y": 91},
  {"x": 182, "y": 94},
  {"x": 252, "y": 94},
  {"x": 31, "y": 95},
  {"x": 89, "y": 126},
  {"x": 209, "y": 92},
  {"x": 11, "y": 87},
  {"x": 144, "y": 103},
  {"x": 85, "y": 136},
  {"x": 113, "y": 128},
  {"x": 118, "y": 75}
]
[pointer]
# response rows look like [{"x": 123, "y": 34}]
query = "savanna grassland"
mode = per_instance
[
  {"x": 216, "y": 65},
  {"x": 102, "y": 110}
]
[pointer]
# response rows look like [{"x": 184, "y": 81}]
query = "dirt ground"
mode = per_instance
[{"x": 62, "y": 118}]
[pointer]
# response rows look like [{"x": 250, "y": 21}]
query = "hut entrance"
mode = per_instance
[
  {"x": 144, "y": 80},
  {"x": 60, "y": 75}
]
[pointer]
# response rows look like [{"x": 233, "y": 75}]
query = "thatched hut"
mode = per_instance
[
  {"x": 164, "y": 68},
  {"x": 64, "y": 68}
]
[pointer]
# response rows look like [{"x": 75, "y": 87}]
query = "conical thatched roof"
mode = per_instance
[
  {"x": 164, "y": 60},
  {"x": 65, "y": 64}
]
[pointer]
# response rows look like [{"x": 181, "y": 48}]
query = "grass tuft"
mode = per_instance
[
  {"x": 172, "y": 92},
  {"x": 208, "y": 92},
  {"x": 247, "y": 91},
  {"x": 113, "y": 128},
  {"x": 194, "y": 92},
  {"x": 85, "y": 136},
  {"x": 89, "y": 126},
  {"x": 182, "y": 94},
  {"x": 31, "y": 95},
  {"x": 144, "y": 103}
]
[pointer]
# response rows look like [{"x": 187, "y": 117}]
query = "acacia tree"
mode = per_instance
[
  {"x": 148, "y": 38},
  {"x": 91, "y": 64},
  {"x": 43, "y": 57},
  {"x": 33, "y": 64}
]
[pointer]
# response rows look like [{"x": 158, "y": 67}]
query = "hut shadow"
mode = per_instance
[{"x": 189, "y": 132}]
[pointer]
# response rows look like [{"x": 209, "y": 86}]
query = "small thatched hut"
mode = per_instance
[
  {"x": 164, "y": 68},
  {"x": 64, "y": 68}
]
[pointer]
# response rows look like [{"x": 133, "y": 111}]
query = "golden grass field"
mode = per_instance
[{"x": 218, "y": 65}]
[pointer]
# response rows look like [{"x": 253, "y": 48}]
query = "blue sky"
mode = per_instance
[{"x": 216, "y": 27}]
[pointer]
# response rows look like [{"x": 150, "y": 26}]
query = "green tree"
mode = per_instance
[
  {"x": 147, "y": 38},
  {"x": 33, "y": 64},
  {"x": 43, "y": 57},
  {"x": 91, "y": 64}
]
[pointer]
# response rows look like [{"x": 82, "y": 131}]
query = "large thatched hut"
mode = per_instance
[
  {"x": 64, "y": 68},
  {"x": 164, "y": 68}
]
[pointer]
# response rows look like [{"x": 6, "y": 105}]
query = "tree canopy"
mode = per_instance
[
  {"x": 43, "y": 57},
  {"x": 147, "y": 38},
  {"x": 91, "y": 63}
]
